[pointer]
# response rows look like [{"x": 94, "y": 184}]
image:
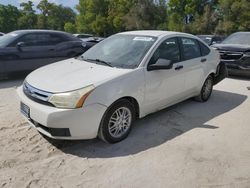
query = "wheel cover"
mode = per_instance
[
  {"x": 120, "y": 122},
  {"x": 207, "y": 88}
]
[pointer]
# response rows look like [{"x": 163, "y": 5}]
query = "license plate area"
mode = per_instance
[{"x": 25, "y": 110}]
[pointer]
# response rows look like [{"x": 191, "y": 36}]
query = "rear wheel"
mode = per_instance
[
  {"x": 117, "y": 122},
  {"x": 206, "y": 90}
]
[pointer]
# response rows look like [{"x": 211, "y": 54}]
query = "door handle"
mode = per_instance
[
  {"x": 203, "y": 60},
  {"x": 179, "y": 67},
  {"x": 52, "y": 49}
]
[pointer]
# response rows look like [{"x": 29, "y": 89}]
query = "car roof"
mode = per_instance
[
  {"x": 76, "y": 34},
  {"x": 37, "y": 31},
  {"x": 205, "y": 35},
  {"x": 153, "y": 33}
]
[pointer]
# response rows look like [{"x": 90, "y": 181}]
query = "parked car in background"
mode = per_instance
[
  {"x": 90, "y": 42},
  {"x": 1, "y": 34},
  {"x": 211, "y": 39},
  {"x": 235, "y": 53},
  {"x": 83, "y": 35},
  {"x": 124, "y": 77},
  {"x": 88, "y": 39},
  {"x": 27, "y": 50}
]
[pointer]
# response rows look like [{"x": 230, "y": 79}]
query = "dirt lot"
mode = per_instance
[{"x": 188, "y": 145}]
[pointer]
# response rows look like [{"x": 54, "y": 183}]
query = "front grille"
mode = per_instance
[
  {"x": 36, "y": 94},
  {"x": 230, "y": 56}
]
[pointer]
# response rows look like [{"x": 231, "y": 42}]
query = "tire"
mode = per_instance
[
  {"x": 117, "y": 122},
  {"x": 206, "y": 90}
]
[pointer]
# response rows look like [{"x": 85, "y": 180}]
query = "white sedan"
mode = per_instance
[{"x": 127, "y": 76}]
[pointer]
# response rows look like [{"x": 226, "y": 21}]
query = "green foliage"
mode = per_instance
[
  {"x": 8, "y": 18},
  {"x": 50, "y": 16},
  {"x": 28, "y": 17},
  {"x": 236, "y": 16},
  {"x": 70, "y": 27},
  {"x": 58, "y": 16},
  {"x": 93, "y": 16},
  {"x": 105, "y": 17}
]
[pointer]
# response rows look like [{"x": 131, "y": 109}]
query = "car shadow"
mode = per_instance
[
  {"x": 157, "y": 128},
  {"x": 12, "y": 82}
]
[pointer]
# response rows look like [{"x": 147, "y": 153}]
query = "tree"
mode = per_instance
[
  {"x": 70, "y": 27},
  {"x": 235, "y": 16},
  {"x": 92, "y": 17},
  {"x": 199, "y": 10},
  {"x": 207, "y": 22},
  {"x": 59, "y": 15},
  {"x": 8, "y": 18},
  {"x": 28, "y": 17},
  {"x": 118, "y": 9},
  {"x": 146, "y": 14},
  {"x": 45, "y": 7}
]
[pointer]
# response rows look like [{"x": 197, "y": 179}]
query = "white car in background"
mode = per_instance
[{"x": 122, "y": 78}]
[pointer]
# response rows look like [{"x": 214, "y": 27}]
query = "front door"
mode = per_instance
[{"x": 164, "y": 87}]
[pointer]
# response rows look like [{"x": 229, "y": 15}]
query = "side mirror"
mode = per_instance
[
  {"x": 20, "y": 45},
  {"x": 161, "y": 64}
]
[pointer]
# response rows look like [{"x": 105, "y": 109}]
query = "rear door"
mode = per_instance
[{"x": 193, "y": 63}]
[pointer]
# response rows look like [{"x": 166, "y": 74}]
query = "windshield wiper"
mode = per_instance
[{"x": 99, "y": 61}]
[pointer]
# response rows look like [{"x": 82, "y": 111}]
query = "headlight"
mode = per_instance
[{"x": 72, "y": 99}]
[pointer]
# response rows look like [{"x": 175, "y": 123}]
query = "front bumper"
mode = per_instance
[
  {"x": 235, "y": 68},
  {"x": 68, "y": 124},
  {"x": 238, "y": 66}
]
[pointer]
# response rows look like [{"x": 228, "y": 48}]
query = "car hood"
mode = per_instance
[
  {"x": 232, "y": 47},
  {"x": 71, "y": 74}
]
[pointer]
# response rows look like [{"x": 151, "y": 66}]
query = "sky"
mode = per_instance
[{"x": 68, "y": 3}]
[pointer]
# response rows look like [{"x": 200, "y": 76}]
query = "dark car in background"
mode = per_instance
[
  {"x": 211, "y": 39},
  {"x": 235, "y": 53},
  {"x": 27, "y": 50},
  {"x": 90, "y": 42},
  {"x": 83, "y": 35}
]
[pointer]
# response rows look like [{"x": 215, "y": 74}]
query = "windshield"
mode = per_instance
[
  {"x": 5, "y": 40},
  {"x": 238, "y": 38},
  {"x": 120, "y": 50}
]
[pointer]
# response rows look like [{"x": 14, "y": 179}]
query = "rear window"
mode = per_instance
[
  {"x": 204, "y": 49},
  {"x": 191, "y": 49}
]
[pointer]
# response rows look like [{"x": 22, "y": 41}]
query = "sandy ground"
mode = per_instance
[{"x": 188, "y": 145}]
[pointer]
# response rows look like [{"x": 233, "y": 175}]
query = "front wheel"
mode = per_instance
[
  {"x": 206, "y": 90},
  {"x": 117, "y": 121}
]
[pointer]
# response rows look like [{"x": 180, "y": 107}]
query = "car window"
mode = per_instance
[
  {"x": 169, "y": 50},
  {"x": 204, "y": 49},
  {"x": 40, "y": 39},
  {"x": 29, "y": 40},
  {"x": 55, "y": 39},
  {"x": 190, "y": 48},
  {"x": 8, "y": 39}
]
